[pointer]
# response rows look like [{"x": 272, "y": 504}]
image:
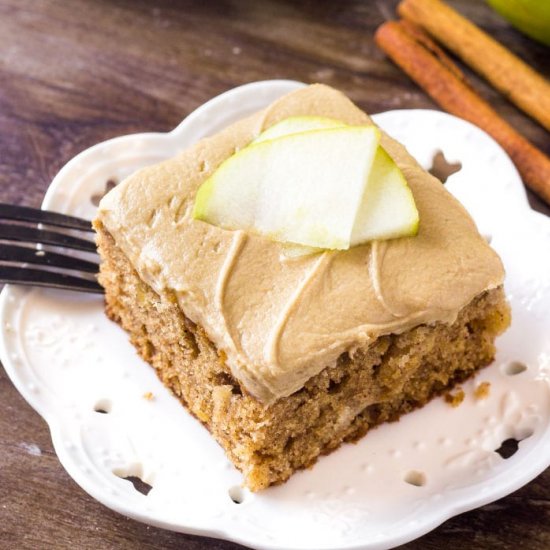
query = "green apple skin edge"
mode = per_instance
[{"x": 298, "y": 124}]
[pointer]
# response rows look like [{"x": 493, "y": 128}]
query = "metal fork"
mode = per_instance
[{"x": 29, "y": 228}]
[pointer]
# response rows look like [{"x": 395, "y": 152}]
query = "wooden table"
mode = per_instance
[{"x": 76, "y": 73}]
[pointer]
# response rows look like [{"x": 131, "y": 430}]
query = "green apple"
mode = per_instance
[
  {"x": 386, "y": 193},
  {"x": 298, "y": 124},
  {"x": 291, "y": 250},
  {"x": 307, "y": 186},
  {"x": 530, "y": 16},
  {"x": 303, "y": 188},
  {"x": 387, "y": 210},
  {"x": 294, "y": 125}
]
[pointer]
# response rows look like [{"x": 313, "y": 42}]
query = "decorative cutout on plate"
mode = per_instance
[
  {"x": 508, "y": 448},
  {"x": 134, "y": 475},
  {"x": 139, "y": 485},
  {"x": 514, "y": 368},
  {"x": 236, "y": 494},
  {"x": 110, "y": 184},
  {"x": 416, "y": 478},
  {"x": 441, "y": 168},
  {"x": 103, "y": 406}
]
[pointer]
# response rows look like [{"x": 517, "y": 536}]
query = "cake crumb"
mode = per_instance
[
  {"x": 455, "y": 399},
  {"x": 482, "y": 390},
  {"x": 149, "y": 396}
]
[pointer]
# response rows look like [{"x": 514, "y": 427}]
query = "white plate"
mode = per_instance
[{"x": 67, "y": 359}]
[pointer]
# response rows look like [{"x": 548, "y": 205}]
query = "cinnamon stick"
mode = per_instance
[
  {"x": 422, "y": 59},
  {"x": 504, "y": 70}
]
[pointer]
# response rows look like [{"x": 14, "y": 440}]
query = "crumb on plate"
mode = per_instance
[
  {"x": 482, "y": 390},
  {"x": 455, "y": 399}
]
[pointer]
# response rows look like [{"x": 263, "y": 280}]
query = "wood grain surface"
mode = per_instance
[{"x": 76, "y": 73}]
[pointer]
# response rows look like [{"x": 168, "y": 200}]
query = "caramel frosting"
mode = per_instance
[{"x": 278, "y": 320}]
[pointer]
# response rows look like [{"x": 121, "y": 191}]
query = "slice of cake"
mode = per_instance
[{"x": 285, "y": 358}]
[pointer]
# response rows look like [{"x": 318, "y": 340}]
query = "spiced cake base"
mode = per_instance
[{"x": 395, "y": 375}]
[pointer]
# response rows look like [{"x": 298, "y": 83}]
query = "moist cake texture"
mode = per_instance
[{"x": 284, "y": 359}]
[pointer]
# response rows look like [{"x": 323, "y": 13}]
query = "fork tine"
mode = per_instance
[
  {"x": 22, "y": 254},
  {"x": 50, "y": 279},
  {"x": 33, "y": 235},
  {"x": 26, "y": 214},
  {"x": 35, "y": 277}
]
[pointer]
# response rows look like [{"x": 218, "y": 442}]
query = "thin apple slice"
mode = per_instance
[
  {"x": 294, "y": 125},
  {"x": 303, "y": 188},
  {"x": 291, "y": 250},
  {"x": 297, "y": 125},
  {"x": 388, "y": 210}
]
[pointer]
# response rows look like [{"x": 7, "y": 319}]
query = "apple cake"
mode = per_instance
[{"x": 285, "y": 358}]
